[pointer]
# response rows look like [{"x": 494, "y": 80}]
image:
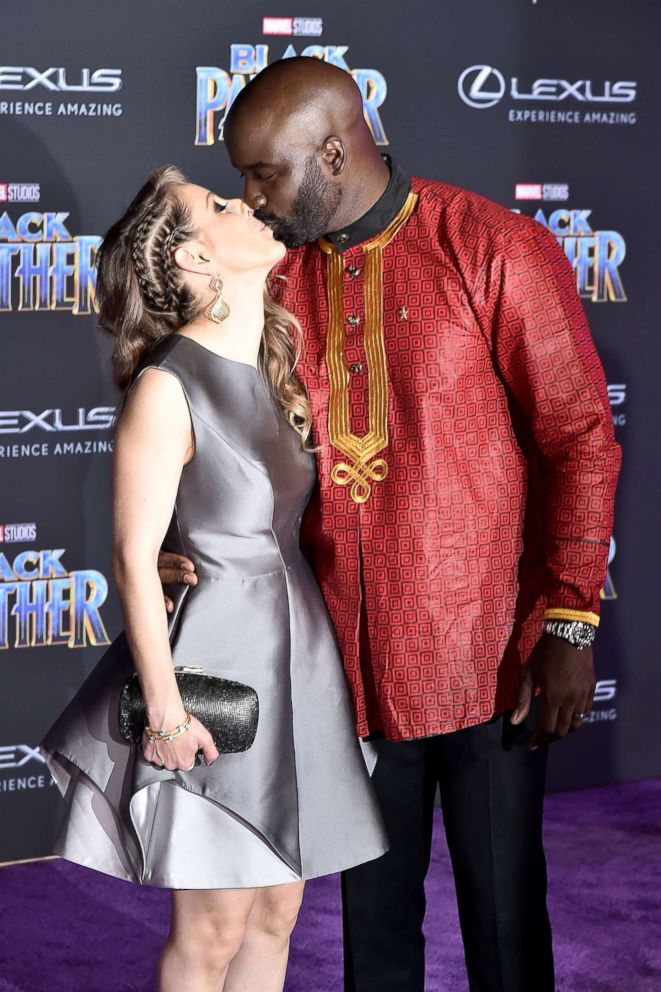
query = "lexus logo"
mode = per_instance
[
  {"x": 481, "y": 86},
  {"x": 17, "y": 755}
]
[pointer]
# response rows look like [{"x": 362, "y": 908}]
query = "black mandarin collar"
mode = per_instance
[{"x": 377, "y": 217}]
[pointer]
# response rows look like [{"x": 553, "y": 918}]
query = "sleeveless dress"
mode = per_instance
[{"x": 299, "y": 802}]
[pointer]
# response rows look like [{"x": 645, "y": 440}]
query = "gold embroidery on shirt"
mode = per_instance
[{"x": 359, "y": 469}]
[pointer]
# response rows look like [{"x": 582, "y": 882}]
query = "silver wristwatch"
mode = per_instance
[{"x": 577, "y": 632}]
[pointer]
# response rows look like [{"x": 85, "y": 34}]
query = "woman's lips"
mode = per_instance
[{"x": 263, "y": 225}]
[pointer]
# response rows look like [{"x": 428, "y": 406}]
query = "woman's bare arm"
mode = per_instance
[{"x": 154, "y": 441}]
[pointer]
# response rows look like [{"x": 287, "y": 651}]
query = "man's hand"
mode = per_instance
[
  {"x": 565, "y": 679},
  {"x": 175, "y": 570}
]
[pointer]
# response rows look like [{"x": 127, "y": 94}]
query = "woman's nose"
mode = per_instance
[{"x": 236, "y": 206}]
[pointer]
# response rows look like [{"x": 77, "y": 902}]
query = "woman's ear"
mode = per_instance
[{"x": 191, "y": 256}]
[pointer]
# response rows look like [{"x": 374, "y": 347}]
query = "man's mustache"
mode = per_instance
[
  {"x": 267, "y": 218},
  {"x": 281, "y": 228}
]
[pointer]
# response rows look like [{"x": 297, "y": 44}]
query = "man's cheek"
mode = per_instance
[{"x": 281, "y": 199}]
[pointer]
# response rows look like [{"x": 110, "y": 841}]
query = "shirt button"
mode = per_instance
[
  {"x": 357, "y": 367},
  {"x": 353, "y": 271},
  {"x": 343, "y": 238},
  {"x": 352, "y": 319}
]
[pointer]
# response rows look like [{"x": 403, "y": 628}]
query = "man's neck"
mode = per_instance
[
  {"x": 374, "y": 178},
  {"x": 372, "y": 213}
]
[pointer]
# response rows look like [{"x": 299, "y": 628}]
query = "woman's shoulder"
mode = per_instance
[
  {"x": 168, "y": 354},
  {"x": 155, "y": 418},
  {"x": 150, "y": 382},
  {"x": 162, "y": 353}
]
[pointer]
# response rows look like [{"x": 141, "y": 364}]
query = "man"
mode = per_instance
[{"x": 467, "y": 468}]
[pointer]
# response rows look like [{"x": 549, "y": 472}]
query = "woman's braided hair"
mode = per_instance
[
  {"x": 142, "y": 295},
  {"x": 139, "y": 290}
]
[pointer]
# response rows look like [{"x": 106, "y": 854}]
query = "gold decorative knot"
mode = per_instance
[
  {"x": 360, "y": 469},
  {"x": 360, "y": 474}
]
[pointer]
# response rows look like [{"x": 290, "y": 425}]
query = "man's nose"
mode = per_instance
[{"x": 258, "y": 200}]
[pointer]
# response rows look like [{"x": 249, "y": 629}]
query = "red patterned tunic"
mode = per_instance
[{"x": 467, "y": 459}]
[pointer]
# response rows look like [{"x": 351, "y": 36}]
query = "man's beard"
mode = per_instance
[{"x": 316, "y": 203}]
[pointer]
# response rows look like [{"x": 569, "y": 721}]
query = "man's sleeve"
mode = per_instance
[{"x": 547, "y": 358}]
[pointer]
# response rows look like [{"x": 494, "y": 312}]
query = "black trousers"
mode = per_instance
[{"x": 492, "y": 795}]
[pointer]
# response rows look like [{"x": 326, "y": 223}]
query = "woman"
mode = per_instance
[{"x": 212, "y": 456}]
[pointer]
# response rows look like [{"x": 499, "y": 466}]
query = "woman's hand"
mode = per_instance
[{"x": 180, "y": 753}]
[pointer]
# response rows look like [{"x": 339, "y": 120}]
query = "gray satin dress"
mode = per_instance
[{"x": 299, "y": 802}]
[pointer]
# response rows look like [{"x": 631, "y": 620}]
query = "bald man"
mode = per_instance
[{"x": 460, "y": 529}]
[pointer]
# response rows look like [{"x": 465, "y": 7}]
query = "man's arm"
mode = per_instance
[{"x": 546, "y": 356}]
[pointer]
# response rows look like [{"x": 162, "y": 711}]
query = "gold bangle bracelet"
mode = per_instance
[{"x": 168, "y": 735}]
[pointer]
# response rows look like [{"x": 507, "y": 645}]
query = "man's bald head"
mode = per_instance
[
  {"x": 298, "y": 134},
  {"x": 300, "y": 92}
]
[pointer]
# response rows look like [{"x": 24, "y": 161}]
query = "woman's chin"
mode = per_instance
[{"x": 279, "y": 251}]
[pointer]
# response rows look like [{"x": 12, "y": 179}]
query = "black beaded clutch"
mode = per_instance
[{"x": 229, "y": 710}]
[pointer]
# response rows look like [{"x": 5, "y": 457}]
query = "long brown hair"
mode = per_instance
[{"x": 142, "y": 296}]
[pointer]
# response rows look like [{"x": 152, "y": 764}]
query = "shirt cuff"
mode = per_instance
[{"x": 559, "y": 613}]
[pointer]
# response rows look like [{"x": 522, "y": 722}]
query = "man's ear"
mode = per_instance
[
  {"x": 191, "y": 256},
  {"x": 334, "y": 154}
]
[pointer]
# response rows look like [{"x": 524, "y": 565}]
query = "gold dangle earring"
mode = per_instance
[{"x": 218, "y": 311}]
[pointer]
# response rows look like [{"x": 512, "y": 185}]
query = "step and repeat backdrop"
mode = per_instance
[{"x": 547, "y": 106}]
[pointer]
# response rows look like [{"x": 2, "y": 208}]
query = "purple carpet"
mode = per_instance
[{"x": 68, "y": 929}]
